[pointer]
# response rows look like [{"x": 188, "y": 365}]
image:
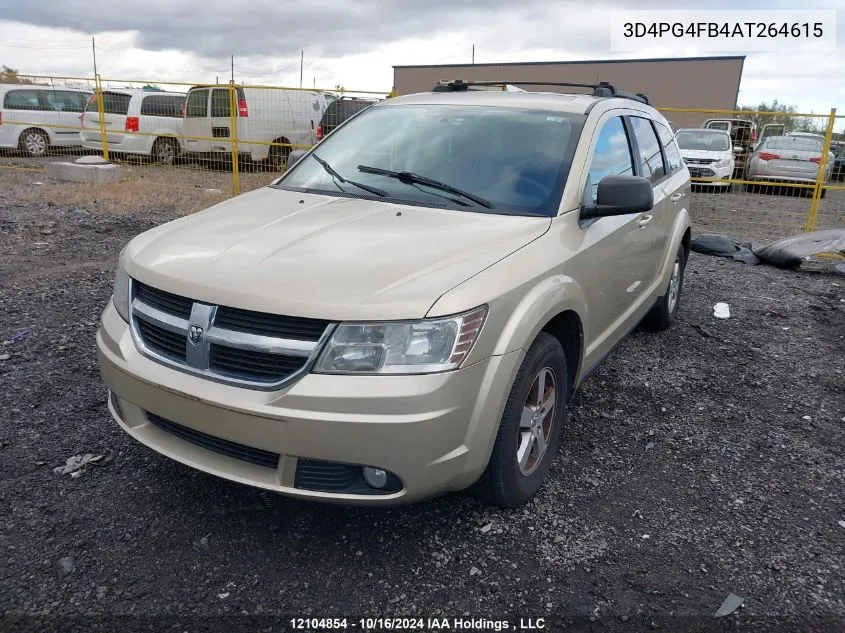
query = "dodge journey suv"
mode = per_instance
[{"x": 409, "y": 308}]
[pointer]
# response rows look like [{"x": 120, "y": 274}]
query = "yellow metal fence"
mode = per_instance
[{"x": 235, "y": 127}]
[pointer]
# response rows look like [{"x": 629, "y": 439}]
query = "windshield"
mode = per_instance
[
  {"x": 516, "y": 160},
  {"x": 703, "y": 140}
]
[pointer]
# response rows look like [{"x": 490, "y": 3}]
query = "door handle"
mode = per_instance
[
  {"x": 644, "y": 220},
  {"x": 677, "y": 197}
]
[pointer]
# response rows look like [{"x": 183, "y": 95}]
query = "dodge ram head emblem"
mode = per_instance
[{"x": 195, "y": 334}]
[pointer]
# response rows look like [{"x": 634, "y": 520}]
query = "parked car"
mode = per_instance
[
  {"x": 789, "y": 159},
  {"x": 339, "y": 111},
  {"x": 708, "y": 153},
  {"x": 269, "y": 122},
  {"x": 35, "y": 118},
  {"x": 410, "y": 307},
  {"x": 138, "y": 122}
]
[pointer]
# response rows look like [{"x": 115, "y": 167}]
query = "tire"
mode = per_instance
[
  {"x": 165, "y": 150},
  {"x": 277, "y": 158},
  {"x": 34, "y": 142},
  {"x": 505, "y": 482},
  {"x": 662, "y": 316}
]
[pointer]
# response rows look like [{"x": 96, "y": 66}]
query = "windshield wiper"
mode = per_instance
[
  {"x": 379, "y": 192},
  {"x": 410, "y": 178}
]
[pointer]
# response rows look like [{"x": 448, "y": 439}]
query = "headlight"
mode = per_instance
[
  {"x": 120, "y": 294},
  {"x": 403, "y": 347},
  {"x": 725, "y": 162}
]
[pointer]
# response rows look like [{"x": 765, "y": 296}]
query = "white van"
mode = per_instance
[
  {"x": 140, "y": 122},
  {"x": 265, "y": 115},
  {"x": 35, "y": 118}
]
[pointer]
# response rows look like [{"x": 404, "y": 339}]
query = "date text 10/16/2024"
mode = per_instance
[{"x": 417, "y": 624}]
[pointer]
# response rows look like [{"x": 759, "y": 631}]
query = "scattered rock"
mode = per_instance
[
  {"x": 66, "y": 565},
  {"x": 486, "y": 528},
  {"x": 474, "y": 571},
  {"x": 559, "y": 539},
  {"x": 5, "y": 356}
]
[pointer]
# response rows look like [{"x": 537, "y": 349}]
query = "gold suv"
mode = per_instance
[{"x": 409, "y": 308}]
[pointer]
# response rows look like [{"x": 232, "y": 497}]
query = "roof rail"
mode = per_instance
[{"x": 601, "y": 89}]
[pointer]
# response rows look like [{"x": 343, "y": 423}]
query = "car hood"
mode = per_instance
[{"x": 319, "y": 256}]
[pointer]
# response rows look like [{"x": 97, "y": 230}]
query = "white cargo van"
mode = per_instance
[
  {"x": 140, "y": 122},
  {"x": 34, "y": 118},
  {"x": 264, "y": 116}
]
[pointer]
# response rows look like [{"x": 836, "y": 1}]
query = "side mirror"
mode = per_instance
[
  {"x": 738, "y": 149},
  {"x": 294, "y": 157},
  {"x": 621, "y": 195}
]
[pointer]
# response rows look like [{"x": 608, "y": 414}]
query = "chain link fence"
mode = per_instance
[{"x": 757, "y": 175}]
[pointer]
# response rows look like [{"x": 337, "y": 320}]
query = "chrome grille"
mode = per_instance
[{"x": 231, "y": 345}]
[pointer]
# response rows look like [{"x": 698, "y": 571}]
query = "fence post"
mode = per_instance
[
  {"x": 101, "y": 112},
  {"x": 233, "y": 134},
  {"x": 813, "y": 214}
]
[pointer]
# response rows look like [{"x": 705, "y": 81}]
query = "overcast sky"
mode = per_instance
[{"x": 356, "y": 42}]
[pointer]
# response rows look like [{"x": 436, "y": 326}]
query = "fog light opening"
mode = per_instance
[{"x": 375, "y": 477}]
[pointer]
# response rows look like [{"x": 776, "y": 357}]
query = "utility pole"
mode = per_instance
[
  {"x": 301, "y": 65},
  {"x": 473, "y": 53},
  {"x": 94, "y": 50},
  {"x": 233, "y": 68}
]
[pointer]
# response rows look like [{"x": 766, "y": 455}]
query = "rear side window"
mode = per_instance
[
  {"x": 197, "y": 104},
  {"x": 612, "y": 155},
  {"x": 162, "y": 105},
  {"x": 651, "y": 161},
  {"x": 674, "y": 162},
  {"x": 220, "y": 102},
  {"x": 25, "y": 100},
  {"x": 116, "y": 103}
]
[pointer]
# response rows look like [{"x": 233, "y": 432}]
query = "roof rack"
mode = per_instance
[{"x": 601, "y": 89}]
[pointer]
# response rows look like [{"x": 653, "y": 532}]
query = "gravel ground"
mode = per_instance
[{"x": 701, "y": 462}]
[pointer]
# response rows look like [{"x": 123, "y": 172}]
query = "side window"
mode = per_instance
[
  {"x": 220, "y": 102},
  {"x": 197, "y": 104},
  {"x": 162, "y": 105},
  {"x": 67, "y": 101},
  {"x": 651, "y": 160},
  {"x": 23, "y": 100},
  {"x": 612, "y": 155},
  {"x": 674, "y": 162}
]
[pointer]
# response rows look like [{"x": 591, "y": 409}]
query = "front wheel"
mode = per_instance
[
  {"x": 530, "y": 428},
  {"x": 663, "y": 314}
]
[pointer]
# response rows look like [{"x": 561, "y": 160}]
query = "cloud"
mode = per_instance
[{"x": 356, "y": 42}]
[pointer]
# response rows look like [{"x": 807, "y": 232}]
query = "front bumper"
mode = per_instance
[
  {"x": 433, "y": 432},
  {"x": 703, "y": 171}
]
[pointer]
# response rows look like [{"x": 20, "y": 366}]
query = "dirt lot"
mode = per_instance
[{"x": 705, "y": 461}]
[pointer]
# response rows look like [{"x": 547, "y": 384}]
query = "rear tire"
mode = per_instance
[
  {"x": 34, "y": 142},
  {"x": 277, "y": 158},
  {"x": 663, "y": 314},
  {"x": 165, "y": 150},
  {"x": 530, "y": 428}
]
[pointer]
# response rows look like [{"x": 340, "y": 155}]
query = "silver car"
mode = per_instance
[{"x": 789, "y": 159}]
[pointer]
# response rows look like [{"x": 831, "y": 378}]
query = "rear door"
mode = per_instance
[
  {"x": 197, "y": 123},
  {"x": 161, "y": 115},
  {"x": 655, "y": 226},
  {"x": 115, "y": 108},
  {"x": 221, "y": 120}
]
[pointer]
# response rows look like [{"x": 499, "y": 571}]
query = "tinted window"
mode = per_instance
[
  {"x": 220, "y": 102},
  {"x": 704, "y": 140},
  {"x": 116, "y": 102},
  {"x": 651, "y": 162},
  {"x": 612, "y": 155},
  {"x": 342, "y": 109},
  {"x": 197, "y": 103},
  {"x": 25, "y": 100},
  {"x": 516, "y": 159},
  {"x": 719, "y": 125},
  {"x": 674, "y": 162},
  {"x": 162, "y": 105},
  {"x": 66, "y": 100}
]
